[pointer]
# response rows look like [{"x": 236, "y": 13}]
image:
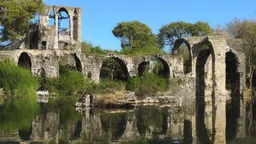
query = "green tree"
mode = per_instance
[
  {"x": 246, "y": 31},
  {"x": 15, "y": 17},
  {"x": 169, "y": 33},
  {"x": 134, "y": 34}
]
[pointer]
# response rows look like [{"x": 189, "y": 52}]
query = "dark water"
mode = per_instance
[{"x": 192, "y": 121}]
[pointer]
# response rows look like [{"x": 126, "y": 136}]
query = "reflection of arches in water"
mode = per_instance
[
  {"x": 25, "y": 61},
  {"x": 232, "y": 115},
  {"x": 143, "y": 67},
  {"x": 25, "y": 134},
  {"x": 181, "y": 46},
  {"x": 145, "y": 120},
  {"x": 232, "y": 74},
  {"x": 114, "y": 69},
  {"x": 78, "y": 130},
  {"x": 188, "y": 139},
  {"x": 114, "y": 124}
]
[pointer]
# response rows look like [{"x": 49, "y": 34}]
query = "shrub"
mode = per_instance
[{"x": 147, "y": 84}]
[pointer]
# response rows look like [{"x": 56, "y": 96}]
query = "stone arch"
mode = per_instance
[
  {"x": 142, "y": 67},
  {"x": 188, "y": 63},
  {"x": 78, "y": 63},
  {"x": 232, "y": 73},
  {"x": 166, "y": 68},
  {"x": 63, "y": 14},
  {"x": 122, "y": 65},
  {"x": 201, "y": 65},
  {"x": 25, "y": 61}
]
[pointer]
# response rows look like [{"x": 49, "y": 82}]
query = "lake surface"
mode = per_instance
[{"x": 192, "y": 121}]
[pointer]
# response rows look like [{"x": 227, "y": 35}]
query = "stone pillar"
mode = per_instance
[
  {"x": 56, "y": 38},
  {"x": 71, "y": 27},
  {"x": 219, "y": 47},
  {"x": 79, "y": 24}
]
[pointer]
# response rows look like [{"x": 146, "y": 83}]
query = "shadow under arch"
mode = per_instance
[
  {"x": 143, "y": 67},
  {"x": 25, "y": 61},
  {"x": 232, "y": 74},
  {"x": 165, "y": 72},
  {"x": 78, "y": 63},
  {"x": 188, "y": 63},
  {"x": 114, "y": 68},
  {"x": 202, "y": 132},
  {"x": 114, "y": 124}
]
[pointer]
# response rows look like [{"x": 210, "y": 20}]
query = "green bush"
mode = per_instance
[
  {"x": 16, "y": 81},
  {"x": 147, "y": 84},
  {"x": 69, "y": 83},
  {"x": 19, "y": 87},
  {"x": 107, "y": 86}
]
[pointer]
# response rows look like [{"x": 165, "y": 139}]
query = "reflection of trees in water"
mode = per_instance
[
  {"x": 151, "y": 116},
  {"x": 114, "y": 124}
]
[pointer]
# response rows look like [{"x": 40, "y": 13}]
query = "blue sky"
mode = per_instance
[{"x": 99, "y": 17}]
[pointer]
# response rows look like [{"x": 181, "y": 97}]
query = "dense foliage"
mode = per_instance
[
  {"x": 20, "y": 104},
  {"x": 147, "y": 85},
  {"x": 134, "y": 35},
  {"x": 15, "y": 17},
  {"x": 169, "y": 33}
]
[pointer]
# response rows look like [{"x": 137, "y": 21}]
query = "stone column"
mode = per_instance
[
  {"x": 56, "y": 38},
  {"x": 79, "y": 24},
  {"x": 71, "y": 26},
  {"x": 219, "y": 47}
]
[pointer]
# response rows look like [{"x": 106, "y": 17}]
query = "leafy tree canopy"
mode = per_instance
[
  {"x": 15, "y": 16},
  {"x": 169, "y": 33},
  {"x": 134, "y": 34}
]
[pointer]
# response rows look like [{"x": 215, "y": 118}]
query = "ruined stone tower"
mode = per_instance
[{"x": 59, "y": 28}]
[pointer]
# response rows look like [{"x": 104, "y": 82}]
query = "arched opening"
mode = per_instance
[
  {"x": 63, "y": 23},
  {"x": 182, "y": 48},
  {"x": 205, "y": 67},
  {"x": 205, "y": 85},
  {"x": 114, "y": 124},
  {"x": 24, "y": 61},
  {"x": 89, "y": 75},
  {"x": 51, "y": 20},
  {"x": 78, "y": 64},
  {"x": 114, "y": 69},
  {"x": 161, "y": 67},
  {"x": 143, "y": 67},
  {"x": 232, "y": 74}
]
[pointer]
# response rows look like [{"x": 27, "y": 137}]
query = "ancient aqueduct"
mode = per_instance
[{"x": 41, "y": 51}]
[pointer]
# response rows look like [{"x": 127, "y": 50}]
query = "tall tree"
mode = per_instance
[
  {"x": 134, "y": 34},
  {"x": 169, "y": 33},
  {"x": 15, "y": 17},
  {"x": 246, "y": 30}
]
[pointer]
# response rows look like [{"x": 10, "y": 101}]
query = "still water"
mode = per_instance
[{"x": 192, "y": 121}]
